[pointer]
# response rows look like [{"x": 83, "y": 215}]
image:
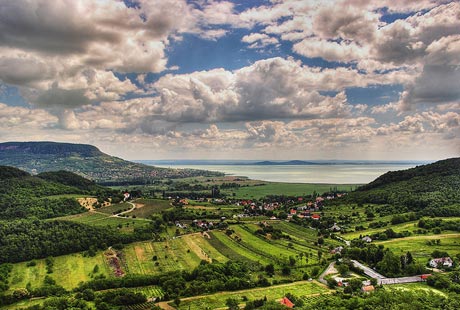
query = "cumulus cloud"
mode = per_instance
[
  {"x": 329, "y": 50},
  {"x": 259, "y": 40}
]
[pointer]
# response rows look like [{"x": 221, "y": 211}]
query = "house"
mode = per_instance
[
  {"x": 126, "y": 196},
  {"x": 335, "y": 227},
  {"x": 367, "y": 239},
  {"x": 293, "y": 211},
  {"x": 285, "y": 301},
  {"x": 445, "y": 262},
  {"x": 316, "y": 216},
  {"x": 368, "y": 288},
  {"x": 337, "y": 250}
]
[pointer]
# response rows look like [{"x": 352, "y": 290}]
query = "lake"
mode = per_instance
[{"x": 332, "y": 173}]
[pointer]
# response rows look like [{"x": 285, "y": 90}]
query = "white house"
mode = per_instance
[{"x": 442, "y": 261}]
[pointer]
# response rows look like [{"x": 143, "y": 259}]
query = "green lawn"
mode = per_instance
[
  {"x": 217, "y": 300},
  {"x": 68, "y": 271}
]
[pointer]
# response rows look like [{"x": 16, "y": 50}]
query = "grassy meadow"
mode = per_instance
[
  {"x": 68, "y": 271},
  {"x": 421, "y": 247}
]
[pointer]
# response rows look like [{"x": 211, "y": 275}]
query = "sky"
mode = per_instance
[{"x": 242, "y": 79}]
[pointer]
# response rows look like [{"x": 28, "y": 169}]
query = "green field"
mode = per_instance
[
  {"x": 103, "y": 220},
  {"x": 409, "y": 226},
  {"x": 264, "y": 247},
  {"x": 419, "y": 246},
  {"x": 171, "y": 255},
  {"x": 68, "y": 271},
  {"x": 217, "y": 300},
  {"x": 115, "y": 208},
  {"x": 415, "y": 287},
  {"x": 146, "y": 207},
  {"x": 235, "y": 250},
  {"x": 287, "y": 189},
  {"x": 200, "y": 244}
]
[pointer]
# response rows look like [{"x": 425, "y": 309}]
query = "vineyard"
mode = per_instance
[{"x": 159, "y": 257}]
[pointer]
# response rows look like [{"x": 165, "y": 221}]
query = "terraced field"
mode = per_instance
[
  {"x": 262, "y": 246},
  {"x": 200, "y": 245},
  {"x": 235, "y": 250}
]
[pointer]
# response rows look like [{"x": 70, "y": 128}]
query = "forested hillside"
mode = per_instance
[
  {"x": 434, "y": 185},
  {"x": 87, "y": 161},
  {"x": 23, "y": 195}
]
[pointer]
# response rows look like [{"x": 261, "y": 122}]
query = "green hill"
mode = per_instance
[
  {"x": 23, "y": 195},
  {"x": 434, "y": 185},
  {"x": 85, "y": 160}
]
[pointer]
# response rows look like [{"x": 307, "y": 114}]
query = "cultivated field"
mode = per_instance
[
  {"x": 421, "y": 247},
  {"x": 147, "y": 207},
  {"x": 217, "y": 300},
  {"x": 68, "y": 271},
  {"x": 170, "y": 255},
  {"x": 104, "y": 220}
]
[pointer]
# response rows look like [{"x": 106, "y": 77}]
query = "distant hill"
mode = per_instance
[
  {"x": 43, "y": 196},
  {"x": 285, "y": 163},
  {"x": 433, "y": 185},
  {"x": 85, "y": 160}
]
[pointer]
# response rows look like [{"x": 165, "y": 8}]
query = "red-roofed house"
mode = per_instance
[
  {"x": 285, "y": 301},
  {"x": 425, "y": 276},
  {"x": 368, "y": 288},
  {"x": 316, "y": 216}
]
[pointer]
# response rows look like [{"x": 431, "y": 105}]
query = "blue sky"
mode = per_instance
[{"x": 290, "y": 79}]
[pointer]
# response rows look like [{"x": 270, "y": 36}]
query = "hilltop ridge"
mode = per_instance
[
  {"x": 87, "y": 161},
  {"x": 433, "y": 185}
]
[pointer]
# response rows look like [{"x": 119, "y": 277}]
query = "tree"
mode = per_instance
[
  {"x": 232, "y": 304},
  {"x": 286, "y": 270},
  {"x": 88, "y": 294},
  {"x": 343, "y": 269},
  {"x": 270, "y": 269},
  {"x": 177, "y": 301},
  {"x": 390, "y": 265},
  {"x": 356, "y": 284}
]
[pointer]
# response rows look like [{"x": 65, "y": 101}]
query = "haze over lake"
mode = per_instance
[{"x": 333, "y": 172}]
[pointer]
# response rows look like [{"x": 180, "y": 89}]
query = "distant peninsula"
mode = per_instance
[{"x": 87, "y": 161}]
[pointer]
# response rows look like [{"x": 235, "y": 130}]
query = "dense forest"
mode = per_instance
[
  {"x": 429, "y": 186},
  {"x": 23, "y": 195},
  {"x": 22, "y": 240}
]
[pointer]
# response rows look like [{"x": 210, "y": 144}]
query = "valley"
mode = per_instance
[{"x": 202, "y": 247}]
